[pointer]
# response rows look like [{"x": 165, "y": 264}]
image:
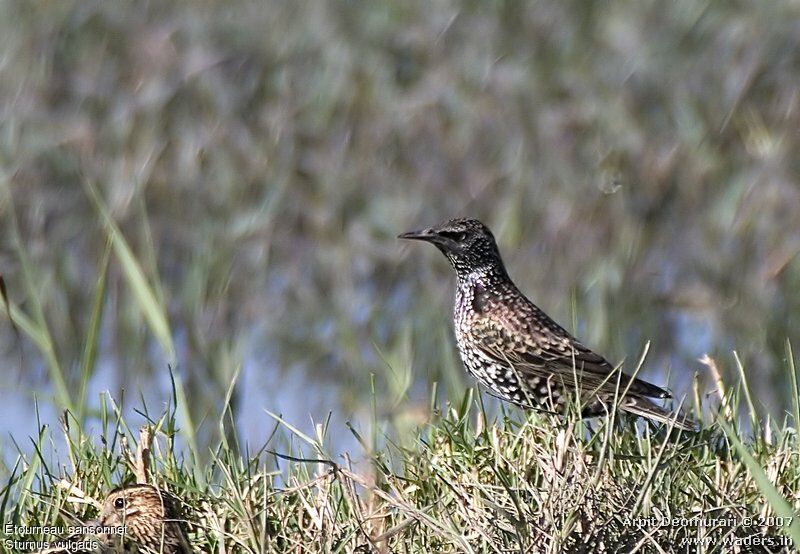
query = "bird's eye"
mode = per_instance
[
  {"x": 119, "y": 503},
  {"x": 453, "y": 235}
]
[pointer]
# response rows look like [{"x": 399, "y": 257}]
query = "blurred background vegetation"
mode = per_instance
[{"x": 636, "y": 159}]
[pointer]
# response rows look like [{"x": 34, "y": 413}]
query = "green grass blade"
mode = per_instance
[
  {"x": 750, "y": 405},
  {"x": 89, "y": 354},
  {"x": 777, "y": 502},
  {"x": 227, "y": 409},
  {"x": 793, "y": 382},
  {"x": 187, "y": 428},
  {"x": 295, "y": 431},
  {"x": 146, "y": 298}
]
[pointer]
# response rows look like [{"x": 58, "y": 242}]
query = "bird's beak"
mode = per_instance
[{"x": 423, "y": 234}]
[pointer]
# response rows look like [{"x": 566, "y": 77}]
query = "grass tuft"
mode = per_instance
[{"x": 466, "y": 483}]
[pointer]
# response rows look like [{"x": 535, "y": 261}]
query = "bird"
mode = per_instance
[
  {"x": 141, "y": 518},
  {"x": 133, "y": 519},
  {"x": 516, "y": 351}
]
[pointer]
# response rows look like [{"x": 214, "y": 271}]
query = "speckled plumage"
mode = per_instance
[
  {"x": 150, "y": 520},
  {"x": 517, "y": 351}
]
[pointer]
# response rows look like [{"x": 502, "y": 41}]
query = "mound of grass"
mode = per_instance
[{"x": 466, "y": 483}]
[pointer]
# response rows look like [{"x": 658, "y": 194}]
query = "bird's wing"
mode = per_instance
[{"x": 539, "y": 347}]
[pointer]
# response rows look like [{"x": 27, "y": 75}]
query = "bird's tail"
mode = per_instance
[{"x": 641, "y": 406}]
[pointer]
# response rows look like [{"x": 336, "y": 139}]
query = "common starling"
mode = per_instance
[
  {"x": 147, "y": 519},
  {"x": 517, "y": 351}
]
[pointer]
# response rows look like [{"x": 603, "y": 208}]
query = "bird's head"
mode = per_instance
[
  {"x": 147, "y": 516},
  {"x": 467, "y": 243},
  {"x": 129, "y": 502}
]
